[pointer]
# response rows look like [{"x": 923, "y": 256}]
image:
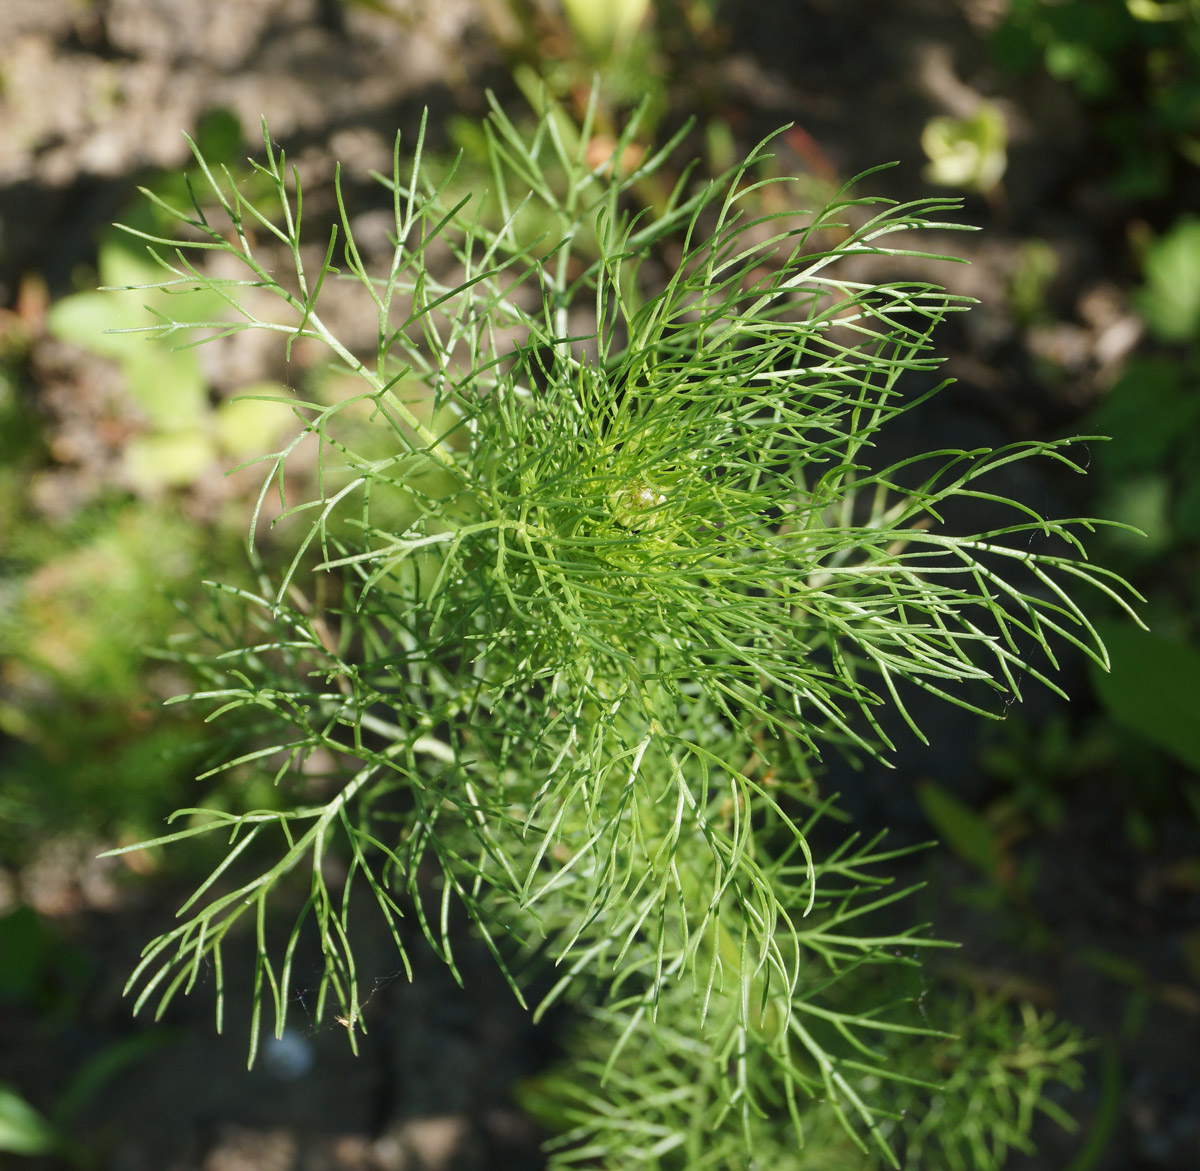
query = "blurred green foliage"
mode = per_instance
[
  {"x": 39, "y": 970},
  {"x": 1170, "y": 300},
  {"x": 43, "y": 977},
  {"x": 961, "y": 828},
  {"x": 658, "y": 55},
  {"x": 968, "y": 152},
  {"x": 1150, "y": 473},
  {"x": 1135, "y": 62},
  {"x": 1147, "y": 477},
  {"x": 1153, "y": 690},
  {"x": 561, "y": 47},
  {"x": 184, "y": 433},
  {"x": 23, "y": 1131},
  {"x": 87, "y": 589},
  {"x": 81, "y": 603}
]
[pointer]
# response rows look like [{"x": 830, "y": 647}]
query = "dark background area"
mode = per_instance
[{"x": 1070, "y": 858}]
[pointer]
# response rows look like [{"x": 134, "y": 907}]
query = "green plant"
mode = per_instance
[
  {"x": 600, "y": 561},
  {"x": 181, "y": 434},
  {"x": 80, "y": 600},
  {"x": 1135, "y": 62},
  {"x": 968, "y": 152},
  {"x": 105, "y": 512},
  {"x": 1152, "y": 479},
  {"x": 22, "y": 1129}
]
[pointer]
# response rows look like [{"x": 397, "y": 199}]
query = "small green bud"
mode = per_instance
[{"x": 629, "y": 504}]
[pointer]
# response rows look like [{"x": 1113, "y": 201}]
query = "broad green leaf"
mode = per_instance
[
  {"x": 23, "y": 1131},
  {"x": 119, "y": 267},
  {"x": 1144, "y": 502},
  {"x": 1153, "y": 689},
  {"x": 166, "y": 382},
  {"x": 605, "y": 27},
  {"x": 248, "y": 425},
  {"x": 1170, "y": 302},
  {"x": 171, "y": 460},
  {"x": 1148, "y": 412},
  {"x": 959, "y": 827},
  {"x": 967, "y": 152},
  {"x": 168, "y": 385},
  {"x": 92, "y": 320}
]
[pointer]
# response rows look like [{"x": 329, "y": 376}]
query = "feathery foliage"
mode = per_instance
[{"x": 600, "y": 559}]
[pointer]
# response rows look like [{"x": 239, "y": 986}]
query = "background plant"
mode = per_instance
[
  {"x": 96, "y": 556},
  {"x": 1137, "y": 62}
]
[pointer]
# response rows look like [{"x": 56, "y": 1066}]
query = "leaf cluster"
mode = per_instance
[{"x": 618, "y": 563}]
